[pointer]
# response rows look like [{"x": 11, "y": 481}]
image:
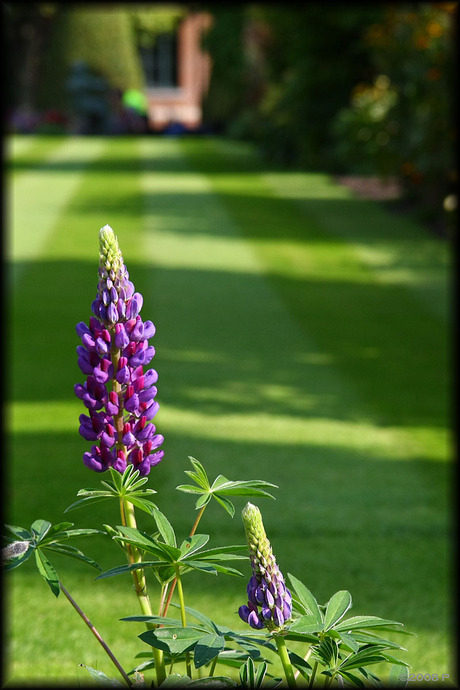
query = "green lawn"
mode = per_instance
[{"x": 303, "y": 337}]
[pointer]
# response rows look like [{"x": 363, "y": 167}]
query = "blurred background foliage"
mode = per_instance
[{"x": 353, "y": 88}]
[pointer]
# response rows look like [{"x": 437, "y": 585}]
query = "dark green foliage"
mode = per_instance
[{"x": 224, "y": 42}]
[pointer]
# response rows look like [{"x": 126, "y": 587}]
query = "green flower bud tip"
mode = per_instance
[
  {"x": 110, "y": 256},
  {"x": 259, "y": 546}
]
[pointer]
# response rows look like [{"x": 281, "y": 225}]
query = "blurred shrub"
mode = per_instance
[
  {"x": 281, "y": 72},
  {"x": 404, "y": 123},
  {"x": 366, "y": 133}
]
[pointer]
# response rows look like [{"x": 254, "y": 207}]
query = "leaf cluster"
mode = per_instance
[
  {"x": 342, "y": 647},
  {"x": 169, "y": 559},
  {"x": 43, "y": 536},
  {"x": 126, "y": 486},
  {"x": 336, "y": 647},
  {"x": 221, "y": 488}
]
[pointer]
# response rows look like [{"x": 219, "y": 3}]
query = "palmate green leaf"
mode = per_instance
[
  {"x": 205, "y": 621},
  {"x": 165, "y": 528},
  {"x": 192, "y": 544},
  {"x": 225, "y": 503},
  {"x": 128, "y": 486},
  {"x": 250, "y": 677},
  {"x": 398, "y": 676},
  {"x": 369, "y": 638},
  {"x": 221, "y": 488},
  {"x": 156, "y": 620},
  {"x": 189, "y": 489},
  {"x": 199, "y": 475},
  {"x": 301, "y": 637},
  {"x": 207, "y": 648},
  {"x": 326, "y": 652},
  {"x": 101, "y": 678},
  {"x": 55, "y": 535},
  {"x": 40, "y": 528},
  {"x": 358, "y": 622},
  {"x": 19, "y": 532},
  {"x": 47, "y": 571},
  {"x": 173, "y": 640},
  {"x": 336, "y": 608},
  {"x": 305, "y": 598},
  {"x": 300, "y": 664},
  {"x": 71, "y": 551},
  {"x": 356, "y": 680},
  {"x": 251, "y": 487},
  {"x": 210, "y": 567},
  {"x": 232, "y": 658},
  {"x": 365, "y": 657},
  {"x": 96, "y": 497},
  {"x": 129, "y": 567},
  {"x": 131, "y": 535},
  {"x": 54, "y": 530},
  {"x": 251, "y": 642},
  {"x": 143, "y": 504},
  {"x": 349, "y": 641},
  {"x": 306, "y": 624}
]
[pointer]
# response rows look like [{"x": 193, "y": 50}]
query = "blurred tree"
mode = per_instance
[
  {"x": 102, "y": 36},
  {"x": 26, "y": 31},
  {"x": 227, "y": 94},
  {"x": 404, "y": 124},
  {"x": 315, "y": 56},
  {"x": 281, "y": 71}
]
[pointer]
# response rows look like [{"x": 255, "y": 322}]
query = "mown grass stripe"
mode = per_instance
[{"x": 37, "y": 198}]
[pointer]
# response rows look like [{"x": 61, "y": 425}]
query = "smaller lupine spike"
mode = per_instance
[{"x": 266, "y": 589}]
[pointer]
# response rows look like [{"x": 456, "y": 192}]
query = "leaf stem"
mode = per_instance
[
  {"x": 183, "y": 618},
  {"x": 198, "y": 518},
  {"x": 173, "y": 584},
  {"x": 284, "y": 656},
  {"x": 95, "y": 633}
]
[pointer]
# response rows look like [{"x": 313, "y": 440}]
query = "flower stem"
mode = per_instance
[
  {"x": 95, "y": 633},
  {"x": 284, "y": 656},
  {"x": 129, "y": 519},
  {"x": 180, "y": 592}
]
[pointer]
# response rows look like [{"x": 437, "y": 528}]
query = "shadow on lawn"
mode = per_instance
[{"x": 224, "y": 345}]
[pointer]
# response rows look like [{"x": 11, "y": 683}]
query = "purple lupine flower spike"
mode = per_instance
[
  {"x": 266, "y": 589},
  {"x": 118, "y": 395}
]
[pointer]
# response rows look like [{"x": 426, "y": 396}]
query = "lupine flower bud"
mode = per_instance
[
  {"x": 118, "y": 396},
  {"x": 266, "y": 589}
]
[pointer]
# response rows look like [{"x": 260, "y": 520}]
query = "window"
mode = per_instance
[{"x": 160, "y": 61}]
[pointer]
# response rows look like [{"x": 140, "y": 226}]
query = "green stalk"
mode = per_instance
[
  {"x": 96, "y": 634},
  {"x": 284, "y": 656},
  {"x": 180, "y": 592},
  {"x": 128, "y": 519}
]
